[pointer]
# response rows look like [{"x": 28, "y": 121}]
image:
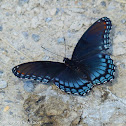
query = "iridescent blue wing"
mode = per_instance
[
  {"x": 100, "y": 68},
  {"x": 94, "y": 40},
  {"x": 89, "y": 52},
  {"x": 46, "y": 71},
  {"x": 43, "y": 71},
  {"x": 89, "y": 58},
  {"x": 73, "y": 82}
]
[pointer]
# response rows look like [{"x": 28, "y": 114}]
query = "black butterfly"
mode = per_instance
[{"x": 88, "y": 66}]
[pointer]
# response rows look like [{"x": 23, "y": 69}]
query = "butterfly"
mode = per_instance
[{"x": 88, "y": 66}]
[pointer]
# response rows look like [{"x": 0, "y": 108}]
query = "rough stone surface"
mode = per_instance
[
  {"x": 46, "y": 105},
  {"x": 28, "y": 86},
  {"x": 61, "y": 40},
  {"x": 3, "y": 84},
  {"x": 35, "y": 37},
  {"x": 1, "y": 28}
]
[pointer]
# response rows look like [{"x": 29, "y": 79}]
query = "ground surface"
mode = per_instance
[{"x": 25, "y": 26}]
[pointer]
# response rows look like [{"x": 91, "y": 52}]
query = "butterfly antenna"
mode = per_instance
[
  {"x": 51, "y": 52},
  {"x": 65, "y": 48}
]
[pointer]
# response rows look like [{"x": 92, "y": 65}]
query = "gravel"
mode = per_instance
[{"x": 3, "y": 84}]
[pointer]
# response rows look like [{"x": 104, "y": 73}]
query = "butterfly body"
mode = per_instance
[
  {"x": 89, "y": 65},
  {"x": 72, "y": 64}
]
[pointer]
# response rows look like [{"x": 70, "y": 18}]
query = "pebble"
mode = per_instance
[
  {"x": 123, "y": 21},
  {"x": 6, "y": 108},
  {"x": 57, "y": 10},
  {"x": 7, "y": 14},
  {"x": 3, "y": 84},
  {"x": 1, "y": 28},
  {"x": 28, "y": 86},
  {"x": 35, "y": 37},
  {"x": 69, "y": 34},
  {"x": 80, "y": 3},
  {"x": 103, "y": 3},
  {"x": 22, "y": 2},
  {"x": 61, "y": 40},
  {"x": 48, "y": 19},
  {"x": 19, "y": 97},
  {"x": 25, "y": 34},
  {"x": 1, "y": 72},
  {"x": 45, "y": 58},
  {"x": 11, "y": 113},
  {"x": 8, "y": 101},
  {"x": 62, "y": 10}
]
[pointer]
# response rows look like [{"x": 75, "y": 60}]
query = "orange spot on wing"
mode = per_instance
[
  {"x": 19, "y": 71},
  {"x": 104, "y": 27},
  {"x": 105, "y": 23}
]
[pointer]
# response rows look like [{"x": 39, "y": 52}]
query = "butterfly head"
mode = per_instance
[{"x": 65, "y": 60}]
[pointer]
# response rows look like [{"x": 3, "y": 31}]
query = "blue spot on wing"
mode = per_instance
[
  {"x": 106, "y": 70},
  {"x": 74, "y": 83}
]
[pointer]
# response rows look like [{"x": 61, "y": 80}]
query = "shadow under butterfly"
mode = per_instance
[{"x": 88, "y": 66}]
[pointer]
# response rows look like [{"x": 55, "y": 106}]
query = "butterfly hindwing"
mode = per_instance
[
  {"x": 100, "y": 68},
  {"x": 72, "y": 82},
  {"x": 105, "y": 71}
]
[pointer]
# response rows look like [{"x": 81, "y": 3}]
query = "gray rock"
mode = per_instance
[
  {"x": 7, "y": 14},
  {"x": 35, "y": 37},
  {"x": 8, "y": 101},
  {"x": 48, "y": 19},
  {"x": 3, "y": 84},
  {"x": 62, "y": 10},
  {"x": 45, "y": 58},
  {"x": 123, "y": 21},
  {"x": 69, "y": 34},
  {"x": 57, "y": 10},
  {"x": 11, "y": 113},
  {"x": 22, "y": 2},
  {"x": 103, "y": 3},
  {"x": 25, "y": 34},
  {"x": 1, "y": 28},
  {"x": 28, "y": 86},
  {"x": 80, "y": 3},
  {"x": 1, "y": 72},
  {"x": 61, "y": 40}
]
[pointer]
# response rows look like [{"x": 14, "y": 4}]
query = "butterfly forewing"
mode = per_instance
[
  {"x": 42, "y": 71},
  {"x": 94, "y": 40}
]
